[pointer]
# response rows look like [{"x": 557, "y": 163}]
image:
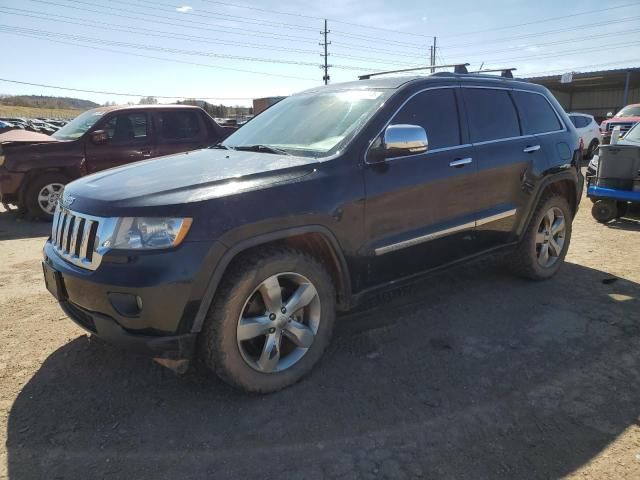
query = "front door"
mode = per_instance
[
  {"x": 420, "y": 209},
  {"x": 128, "y": 140}
]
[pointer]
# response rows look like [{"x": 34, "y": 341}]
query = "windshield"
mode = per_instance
[
  {"x": 629, "y": 111},
  {"x": 314, "y": 125},
  {"x": 633, "y": 135},
  {"x": 78, "y": 126}
]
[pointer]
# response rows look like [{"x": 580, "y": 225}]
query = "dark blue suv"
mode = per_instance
[{"x": 241, "y": 254}]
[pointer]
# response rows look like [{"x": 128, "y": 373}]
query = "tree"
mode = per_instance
[{"x": 148, "y": 101}]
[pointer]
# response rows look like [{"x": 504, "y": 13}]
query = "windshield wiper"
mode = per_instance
[
  {"x": 220, "y": 145},
  {"x": 261, "y": 148}
]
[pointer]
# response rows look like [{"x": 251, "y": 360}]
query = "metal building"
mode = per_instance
[{"x": 596, "y": 93}]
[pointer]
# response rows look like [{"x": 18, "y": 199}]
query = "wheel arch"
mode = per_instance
[
  {"x": 31, "y": 175},
  {"x": 316, "y": 240}
]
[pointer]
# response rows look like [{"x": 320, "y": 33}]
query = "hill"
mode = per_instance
[
  {"x": 43, "y": 101},
  {"x": 31, "y": 112}
]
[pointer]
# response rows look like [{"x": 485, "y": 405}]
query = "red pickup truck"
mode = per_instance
[
  {"x": 35, "y": 167},
  {"x": 625, "y": 119}
]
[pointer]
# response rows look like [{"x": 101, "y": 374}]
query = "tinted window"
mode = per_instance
[
  {"x": 574, "y": 120},
  {"x": 536, "y": 114},
  {"x": 178, "y": 125},
  {"x": 127, "y": 128},
  {"x": 435, "y": 111},
  {"x": 491, "y": 113}
]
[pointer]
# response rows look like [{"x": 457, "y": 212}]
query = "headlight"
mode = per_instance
[{"x": 148, "y": 233}]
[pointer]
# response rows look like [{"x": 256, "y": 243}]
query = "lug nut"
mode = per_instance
[
  {"x": 283, "y": 310},
  {"x": 272, "y": 330},
  {"x": 272, "y": 317}
]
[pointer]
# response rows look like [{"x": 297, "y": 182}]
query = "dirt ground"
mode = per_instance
[{"x": 468, "y": 374}]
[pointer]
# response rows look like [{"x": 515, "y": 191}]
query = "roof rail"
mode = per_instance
[
  {"x": 458, "y": 68},
  {"x": 504, "y": 72}
]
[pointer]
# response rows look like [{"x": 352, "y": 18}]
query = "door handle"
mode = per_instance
[
  {"x": 461, "y": 162},
  {"x": 531, "y": 149},
  {"x": 145, "y": 153}
]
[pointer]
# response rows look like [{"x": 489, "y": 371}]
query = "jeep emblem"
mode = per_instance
[{"x": 66, "y": 201}]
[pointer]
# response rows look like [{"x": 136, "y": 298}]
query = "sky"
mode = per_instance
[{"x": 231, "y": 51}]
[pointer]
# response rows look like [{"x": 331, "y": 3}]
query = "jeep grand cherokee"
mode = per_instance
[{"x": 241, "y": 254}]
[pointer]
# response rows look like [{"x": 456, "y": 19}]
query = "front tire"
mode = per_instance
[
  {"x": 42, "y": 195},
  {"x": 544, "y": 245},
  {"x": 270, "y": 321}
]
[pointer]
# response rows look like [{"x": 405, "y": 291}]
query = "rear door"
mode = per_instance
[
  {"x": 129, "y": 140},
  {"x": 180, "y": 130},
  {"x": 503, "y": 155},
  {"x": 420, "y": 208}
]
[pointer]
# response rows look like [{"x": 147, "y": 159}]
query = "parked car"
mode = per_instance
[
  {"x": 241, "y": 254},
  {"x": 625, "y": 119},
  {"x": 589, "y": 131},
  {"x": 34, "y": 168},
  {"x": 631, "y": 137},
  {"x": 6, "y": 126}
]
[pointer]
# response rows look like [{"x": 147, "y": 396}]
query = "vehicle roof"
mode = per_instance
[
  {"x": 581, "y": 114},
  {"x": 143, "y": 107},
  {"x": 396, "y": 82}
]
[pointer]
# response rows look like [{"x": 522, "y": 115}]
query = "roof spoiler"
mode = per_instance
[{"x": 457, "y": 68}]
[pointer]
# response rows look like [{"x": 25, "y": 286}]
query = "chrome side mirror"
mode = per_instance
[{"x": 402, "y": 140}]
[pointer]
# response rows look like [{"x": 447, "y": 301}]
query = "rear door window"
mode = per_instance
[
  {"x": 491, "y": 113},
  {"x": 437, "y": 112},
  {"x": 536, "y": 114},
  {"x": 178, "y": 126}
]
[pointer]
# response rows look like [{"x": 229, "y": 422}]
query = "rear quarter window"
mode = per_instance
[{"x": 537, "y": 115}]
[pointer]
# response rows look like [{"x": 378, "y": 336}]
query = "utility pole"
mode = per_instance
[
  {"x": 433, "y": 49},
  {"x": 325, "y": 44}
]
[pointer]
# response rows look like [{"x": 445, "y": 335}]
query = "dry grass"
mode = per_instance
[{"x": 32, "y": 112}]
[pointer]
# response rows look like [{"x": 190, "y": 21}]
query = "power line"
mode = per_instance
[
  {"x": 183, "y": 62},
  {"x": 155, "y": 33},
  {"x": 172, "y": 22},
  {"x": 114, "y": 43},
  {"x": 599, "y": 10},
  {"x": 120, "y": 93}
]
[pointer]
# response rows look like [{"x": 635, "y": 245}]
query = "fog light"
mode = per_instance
[{"x": 126, "y": 304}]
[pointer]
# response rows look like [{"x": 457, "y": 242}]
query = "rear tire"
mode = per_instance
[
  {"x": 604, "y": 210},
  {"x": 42, "y": 194},
  {"x": 279, "y": 347},
  {"x": 592, "y": 149},
  {"x": 543, "y": 246}
]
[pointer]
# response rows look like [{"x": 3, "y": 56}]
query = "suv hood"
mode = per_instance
[{"x": 180, "y": 179}]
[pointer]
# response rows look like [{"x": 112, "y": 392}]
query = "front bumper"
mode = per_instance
[{"x": 145, "y": 303}]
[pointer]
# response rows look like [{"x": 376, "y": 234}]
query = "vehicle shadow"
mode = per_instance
[
  {"x": 14, "y": 226},
  {"x": 630, "y": 220},
  {"x": 467, "y": 374}
]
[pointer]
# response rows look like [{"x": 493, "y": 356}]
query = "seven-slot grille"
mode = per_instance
[
  {"x": 624, "y": 127},
  {"x": 74, "y": 237}
]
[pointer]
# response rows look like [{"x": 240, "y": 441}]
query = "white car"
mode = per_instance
[{"x": 588, "y": 130}]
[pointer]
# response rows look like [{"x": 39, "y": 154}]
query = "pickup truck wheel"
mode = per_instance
[
  {"x": 591, "y": 150},
  {"x": 544, "y": 245},
  {"x": 604, "y": 210},
  {"x": 43, "y": 193},
  {"x": 270, "y": 321}
]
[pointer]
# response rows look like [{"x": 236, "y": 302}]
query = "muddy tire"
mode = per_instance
[
  {"x": 270, "y": 321},
  {"x": 544, "y": 245}
]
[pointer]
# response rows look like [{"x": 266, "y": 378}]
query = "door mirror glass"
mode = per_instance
[
  {"x": 99, "y": 137},
  {"x": 402, "y": 140},
  {"x": 609, "y": 114}
]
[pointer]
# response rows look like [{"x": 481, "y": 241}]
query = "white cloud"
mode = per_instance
[{"x": 184, "y": 9}]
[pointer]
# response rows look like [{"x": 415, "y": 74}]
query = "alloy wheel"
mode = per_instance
[
  {"x": 550, "y": 237},
  {"x": 279, "y": 322},
  {"x": 48, "y": 197}
]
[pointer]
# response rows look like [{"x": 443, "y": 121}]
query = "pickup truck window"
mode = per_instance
[
  {"x": 78, "y": 126},
  {"x": 437, "y": 112},
  {"x": 315, "y": 124},
  {"x": 178, "y": 125},
  {"x": 126, "y": 128}
]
